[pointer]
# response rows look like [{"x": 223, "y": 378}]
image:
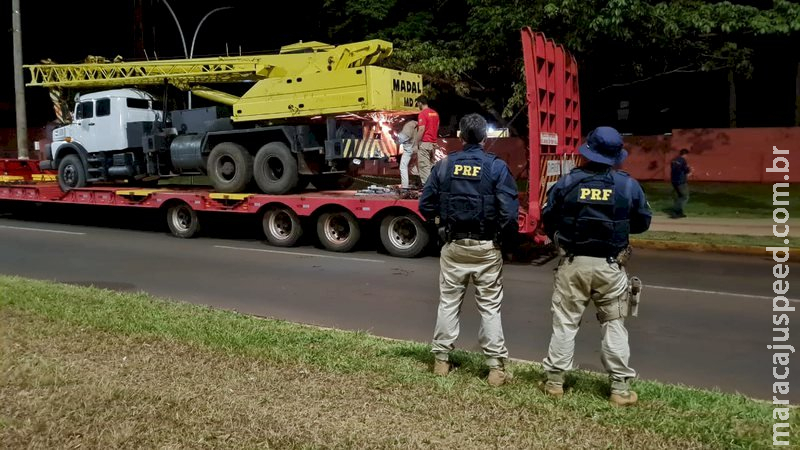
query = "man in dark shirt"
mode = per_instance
[
  {"x": 475, "y": 197},
  {"x": 680, "y": 173}
]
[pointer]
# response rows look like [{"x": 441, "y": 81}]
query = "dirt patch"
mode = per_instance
[{"x": 63, "y": 386}]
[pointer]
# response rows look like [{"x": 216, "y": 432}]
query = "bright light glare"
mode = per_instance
[{"x": 388, "y": 134}]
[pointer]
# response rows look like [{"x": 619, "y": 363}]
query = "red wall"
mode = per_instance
[
  {"x": 715, "y": 154},
  {"x": 8, "y": 142}
]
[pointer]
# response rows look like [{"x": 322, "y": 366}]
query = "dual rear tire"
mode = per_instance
[{"x": 231, "y": 168}]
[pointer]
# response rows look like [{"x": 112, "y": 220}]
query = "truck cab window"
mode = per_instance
[
  {"x": 85, "y": 110},
  {"x": 138, "y": 103},
  {"x": 104, "y": 107}
]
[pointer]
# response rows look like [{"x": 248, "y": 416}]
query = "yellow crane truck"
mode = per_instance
[{"x": 307, "y": 117}]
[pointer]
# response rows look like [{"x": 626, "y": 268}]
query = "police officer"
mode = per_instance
[
  {"x": 475, "y": 198},
  {"x": 589, "y": 214}
]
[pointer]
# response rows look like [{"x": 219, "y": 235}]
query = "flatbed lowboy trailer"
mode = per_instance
[{"x": 339, "y": 216}]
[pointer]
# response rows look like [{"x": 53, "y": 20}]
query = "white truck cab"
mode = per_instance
[{"x": 101, "y": 119}]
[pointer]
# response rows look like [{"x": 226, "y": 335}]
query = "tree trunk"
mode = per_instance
[{"x": 731, "y": 100}]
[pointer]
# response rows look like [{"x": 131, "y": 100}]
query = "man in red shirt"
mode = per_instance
[{"x": 427, "y": 132}]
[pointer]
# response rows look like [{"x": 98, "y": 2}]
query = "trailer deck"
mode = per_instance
[{"x": 339, "y": 215}]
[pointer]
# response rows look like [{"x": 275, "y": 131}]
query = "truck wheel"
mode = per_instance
[
  {"x": 338, "y": 231},
  {"x": 71, "y": 173},
  {"x": 230, "y": 167},
  {"x": 182, "y": 221},
  {"x": 404, "y": 235},
  {"x": 276, "y": 169},
  {"x": 282, "y": 226}
]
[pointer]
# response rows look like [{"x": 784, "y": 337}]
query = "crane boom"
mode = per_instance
[
  {"x": 293, "y": 60},
  {"x": 303, "y": 80},
  {"x": 145, "y": 73}
]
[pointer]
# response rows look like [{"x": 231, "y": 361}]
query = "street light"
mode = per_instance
[
  {"x": 190, "y": 53},
  {"x": 180, "y": 30},
  {"x": 197, "y": 30}
]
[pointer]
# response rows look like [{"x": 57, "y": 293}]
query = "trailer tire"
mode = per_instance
[
  {"x": 282, "y": 226},
  {"x": 404, "y": 235},
  {"x": 230, "y": 167},
  {"x": 71, "y": 173},
  {"x": 275, "y": 169},
  {"x": 183, "y": 221},
  {"x": 338, "y": 231}
]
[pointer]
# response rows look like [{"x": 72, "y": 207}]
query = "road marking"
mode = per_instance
[
  {"x": 42, "y": 230},
  {"x": 731, "y": 294},
  {"x": 299, "y": 254}
]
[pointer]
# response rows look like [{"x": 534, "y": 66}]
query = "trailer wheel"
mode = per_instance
[
  {"x": 71, "y": 173},
  {"x": 282, "y": 226},
  {"x": 230, "y": 167},
  {"x": 276, "y": 169},
  {"x": 338, "y": 231},
  {"x": 182, "y": 221},
  {"x": 404, "y": 235}
]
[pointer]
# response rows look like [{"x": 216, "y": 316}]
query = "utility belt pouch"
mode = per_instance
[
  {"x": 624, "y": 255},
  {"x": 613, "y": 308},
  {"x": 634, "y": 295}
]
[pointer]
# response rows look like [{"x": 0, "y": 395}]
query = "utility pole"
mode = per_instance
[
  {"x": 19, "y": 85},
  {"x": 138, "y": 29}
]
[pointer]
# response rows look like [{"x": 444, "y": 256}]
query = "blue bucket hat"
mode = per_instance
[{"x": 604, "y": 145}]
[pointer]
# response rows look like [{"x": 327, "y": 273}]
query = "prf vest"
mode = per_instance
[
  {"x": 467, "y": 196},
  {"x": 594, "y": 218}
]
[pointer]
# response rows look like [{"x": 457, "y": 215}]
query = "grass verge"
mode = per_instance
[
  {"x": 102, "y": 369},
  {"x": 732, "y": 200},
  {"x": 710, "y": 240}
]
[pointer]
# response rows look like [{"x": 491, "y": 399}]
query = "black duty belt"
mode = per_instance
[
  {"x": 476, "y": 236},
  {"x": 595, "y": 254}
]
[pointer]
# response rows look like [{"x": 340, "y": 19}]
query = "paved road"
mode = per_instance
[{"x": 705, "y": 320}]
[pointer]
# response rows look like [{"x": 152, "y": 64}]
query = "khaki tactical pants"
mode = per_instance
[
  {"x": 425, "y": 159},
  {"x": 481, "y": 262},
  {"x": 576, "y": 283}
]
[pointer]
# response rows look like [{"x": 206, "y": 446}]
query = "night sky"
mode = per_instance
[{"x": 68, "y": 32}]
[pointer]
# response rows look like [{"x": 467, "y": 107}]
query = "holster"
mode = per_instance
[
  {"x": 443, "y": 235},
  {"x": 634, "y": 295}
]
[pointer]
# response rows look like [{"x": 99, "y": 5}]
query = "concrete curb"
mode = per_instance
[{"x": 794, "y": 253}]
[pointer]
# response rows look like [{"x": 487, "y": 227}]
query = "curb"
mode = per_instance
[{"x": 794, "y": 253}]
